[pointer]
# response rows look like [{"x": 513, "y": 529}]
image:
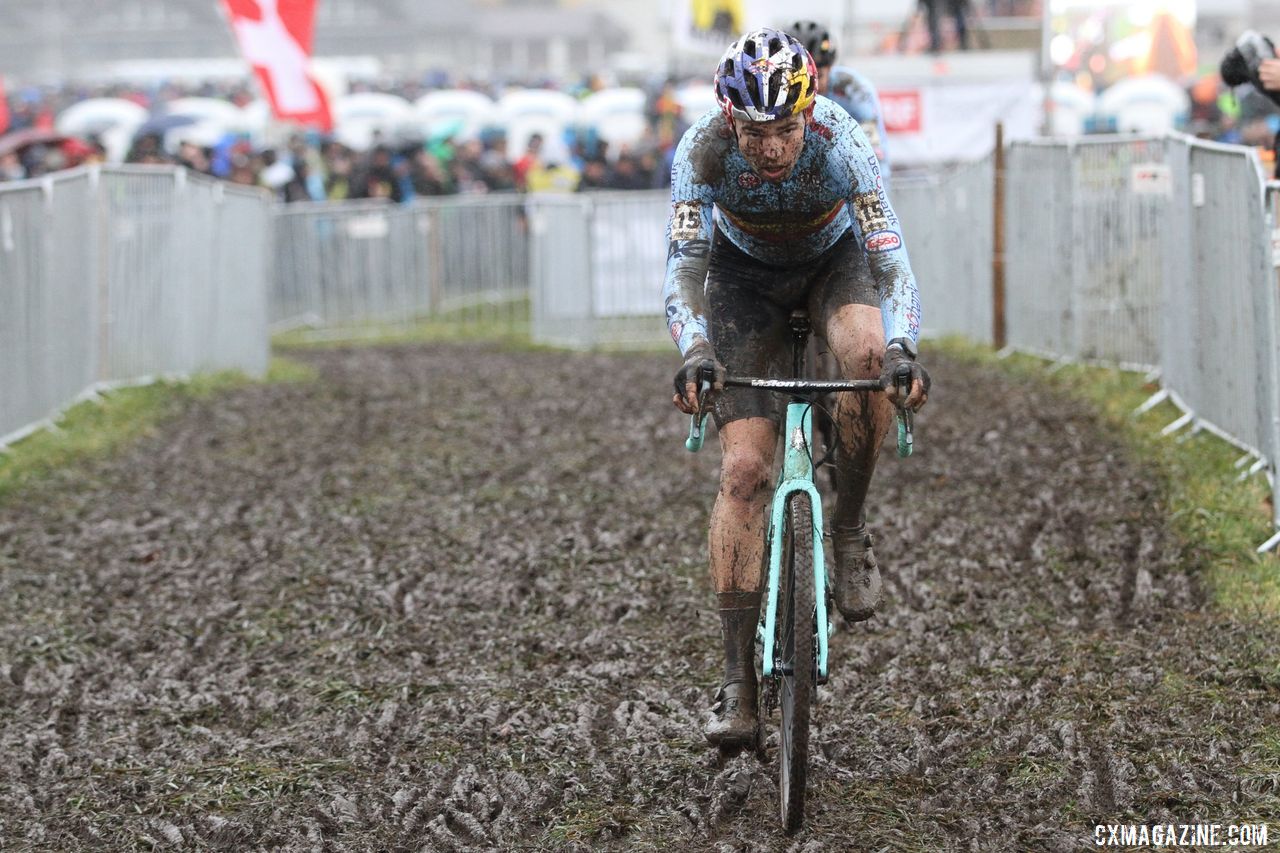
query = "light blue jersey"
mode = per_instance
[
  {"x": 836, "y": 186},
  {"x": 859, "y": 98}
]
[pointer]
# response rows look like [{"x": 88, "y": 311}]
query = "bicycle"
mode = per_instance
[{"x": 794, "y": 662}]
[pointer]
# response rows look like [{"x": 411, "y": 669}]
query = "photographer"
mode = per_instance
[{"x": 1253, "y": 60}]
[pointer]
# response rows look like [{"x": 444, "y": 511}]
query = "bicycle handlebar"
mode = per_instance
[
  {"x": 804, "y": 385},
  {"x": 901, "y": 380}
]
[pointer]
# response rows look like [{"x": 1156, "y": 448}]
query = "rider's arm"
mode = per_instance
[
  {"x": 881, "y": 235},
  {"x": 688, "y": 244}
]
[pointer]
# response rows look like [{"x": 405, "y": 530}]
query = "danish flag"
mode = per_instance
[{"x": 275, "y": 38}]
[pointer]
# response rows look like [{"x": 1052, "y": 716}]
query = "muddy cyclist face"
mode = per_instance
[{"x": 771, "y": 148}]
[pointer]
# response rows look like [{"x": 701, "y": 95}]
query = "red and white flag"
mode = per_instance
[
  {"x": 275, "y": 38},
  {"x": 4, "y": 108}
]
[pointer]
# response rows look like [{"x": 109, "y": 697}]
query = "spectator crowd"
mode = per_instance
[
  {"x": 312, "y": 166},
  {"x": 315, "y": 167}
]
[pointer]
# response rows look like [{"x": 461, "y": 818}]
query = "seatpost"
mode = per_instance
[{"x": 800, "y": 330}]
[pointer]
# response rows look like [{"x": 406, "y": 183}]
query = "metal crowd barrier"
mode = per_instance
[
  {"x": 113, "y": 275},
  {"x": 947, "y": 229},
  {"x": 1154, "y": 254},
  {"x": 597, "y": 261},
  {"x": 345, "y": 264},
  {"x": 1089, "y": 230}
]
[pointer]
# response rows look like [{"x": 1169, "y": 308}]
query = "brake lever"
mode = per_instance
[
  {"x": 697, "y": 422},
  {"x": 906, "y": 418}
]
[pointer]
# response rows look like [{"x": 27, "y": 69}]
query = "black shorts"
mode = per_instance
[{"x": 749, "y": 307}]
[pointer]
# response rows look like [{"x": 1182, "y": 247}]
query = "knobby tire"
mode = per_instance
[{"x": 796, "y": 639}]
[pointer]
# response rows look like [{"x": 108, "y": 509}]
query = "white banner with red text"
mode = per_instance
[{"x": 954, "y": 122}]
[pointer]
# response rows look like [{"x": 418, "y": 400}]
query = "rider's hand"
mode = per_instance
[
  {"x": 686, "y": 381},
  {"x": 898, "y": 355}
]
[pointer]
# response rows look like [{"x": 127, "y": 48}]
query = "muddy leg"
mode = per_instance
[
  {"x": 737, "y": 548},
  {"x": 857, "y": 339},
  {"x": 863, "y": 420}
]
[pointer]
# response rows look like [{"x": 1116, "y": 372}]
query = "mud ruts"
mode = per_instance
[{"x": 415, "y": 607}]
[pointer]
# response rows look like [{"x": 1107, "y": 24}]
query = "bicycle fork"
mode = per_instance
[{"x": 797, "y": 477}]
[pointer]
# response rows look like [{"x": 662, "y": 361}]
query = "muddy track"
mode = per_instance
[{"x": 397, "y": 610}]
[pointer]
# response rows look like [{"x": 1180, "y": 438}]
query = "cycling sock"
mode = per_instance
[{"x": 739, "y": 612}]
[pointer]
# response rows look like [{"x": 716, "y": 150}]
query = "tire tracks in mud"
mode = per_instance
[{"x": 434, "y": 602}]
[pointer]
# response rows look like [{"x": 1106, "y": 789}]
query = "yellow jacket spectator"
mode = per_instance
[{"x": 552, "y": 179}]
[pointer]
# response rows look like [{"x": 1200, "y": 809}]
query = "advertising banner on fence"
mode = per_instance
[
  {"x": 275, "y": 38},
  {"x": 955, "y": 122}
]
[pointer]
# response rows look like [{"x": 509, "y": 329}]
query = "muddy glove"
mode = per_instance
[
  {"x": 686, "y": 382},
  {"x": 900, "y": 355}
]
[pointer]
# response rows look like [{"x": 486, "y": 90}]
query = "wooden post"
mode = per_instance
[{"x": 997, "y": 257}]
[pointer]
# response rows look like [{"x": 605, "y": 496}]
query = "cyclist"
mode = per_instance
[
  {"x": 804, "y": 222},
  {"x": 846, "y": 87}
]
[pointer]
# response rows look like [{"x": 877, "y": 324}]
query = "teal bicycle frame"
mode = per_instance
[{"x": 798, "y": 476}]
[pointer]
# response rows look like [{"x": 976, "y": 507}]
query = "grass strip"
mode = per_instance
[
  {"x": 95, "y": 428},
  {"x": 1221, "y": 520}
]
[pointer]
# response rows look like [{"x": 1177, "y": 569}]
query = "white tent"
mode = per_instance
[
  {"x": 1149, "y": 104},
  {"x": 524, "y": 112},
  {"x": 113, "y": 120},
  {"x": 695, "y": 99},
  {"x": 470, "y": 111},
  {"x": 617, "y": 115},
  {"x": 1070, "y": 107},
  {"x": 212, "y": 110},
  {"x": 358, "y": 118}
]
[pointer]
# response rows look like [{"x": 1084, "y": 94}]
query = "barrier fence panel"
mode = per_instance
[
  {"x": 1221, "y": 312},
  {"x": 947, "y": 228},
  {"x": 628, "y": 261},
  {"x": 336, "y": 265},
  {"x": 561, "y": 271},
  {"x": 463, "y": 260},
  {"x": 1122, "y": 195},
  {"x": 476, "y": 253},
  {"x": 36, "y": 373},
  {"x": 244, "y": 230},
  {"x": 118, "y": 274},
  {"x": 1039, "y": 305},
  {"x": 141, "y": 327},
  {"x": 1271, "y": 321}
]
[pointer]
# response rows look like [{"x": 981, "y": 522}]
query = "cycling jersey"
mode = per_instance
[
  {"x": 835, "y": 186},
  {"x": 859, "y": 98}
]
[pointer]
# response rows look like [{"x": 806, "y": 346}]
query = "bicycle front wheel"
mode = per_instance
[{"x": 796, "y": 640}]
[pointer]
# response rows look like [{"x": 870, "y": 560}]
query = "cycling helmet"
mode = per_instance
[
  {"x": 815, "y": 38},
  {"x": 765, "y": 75}
]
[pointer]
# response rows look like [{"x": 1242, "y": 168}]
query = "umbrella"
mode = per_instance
[
  {"x": 159, "y": 125},
  {"x": 20, "y": 139}
]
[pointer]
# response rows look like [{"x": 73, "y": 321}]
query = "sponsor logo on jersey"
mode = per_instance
[
  {"x": 676, "y": 329},
  {"x": 749, "y": 180},
  {"x": 821, "y": 129},
  {"x": 883, "y": 241}
]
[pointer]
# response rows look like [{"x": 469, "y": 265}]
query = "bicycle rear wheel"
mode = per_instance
[{"x": 796, "y": 640}]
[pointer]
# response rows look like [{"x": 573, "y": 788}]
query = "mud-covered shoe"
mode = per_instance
[
  {"x": 857, "y": 575},
  {"x": 734, "y": 716}
]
